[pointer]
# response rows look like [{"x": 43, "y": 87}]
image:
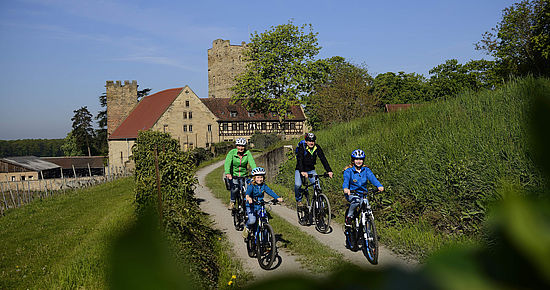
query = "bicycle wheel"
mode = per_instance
[
  {"x": 236, "y": 213},
  {"x": 369, "y": 241},
  {"x": 251, "y": 246},
  {"x": 321, "y": 211},
  {"x": 266, "y": 248},
  {"x": 303, "y": 211}
]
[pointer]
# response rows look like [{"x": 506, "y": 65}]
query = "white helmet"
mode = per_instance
[
  {"x": 258, "y": 171},
  {"x": 240, "y": 142}
]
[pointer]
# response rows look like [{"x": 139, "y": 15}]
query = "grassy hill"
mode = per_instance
[{"x": 441, "y": 163}]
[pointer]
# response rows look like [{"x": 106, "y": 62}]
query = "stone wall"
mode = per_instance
[
  {"x": 189, "y": 121},
  {"x": 120, "y": 152},
  {"x": 225, "y": 63},
  {"x": 121, "y": 100},
  {"x": 272, "y": 160}
]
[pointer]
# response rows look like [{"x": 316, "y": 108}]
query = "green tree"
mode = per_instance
[
  {"x": 520, "y": 42},
  {"x": 70, "y": 147},
  {"x": 344, "y": 95},
  {"x": 281, "y": 69},
  {"x": 83, "y": 130},
  {"x": 401, "y": 88}
]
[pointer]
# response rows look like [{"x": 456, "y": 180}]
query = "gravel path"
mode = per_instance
[{"x": 223, "y": 221}]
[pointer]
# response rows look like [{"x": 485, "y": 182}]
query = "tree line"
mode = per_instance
[{"x": 31, "y": 147}]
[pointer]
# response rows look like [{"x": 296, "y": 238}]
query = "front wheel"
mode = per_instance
[
  {"x": 266, "y": 248},
  {"x": 321, "y": 213},
  {"x": 369, "y": 241}
]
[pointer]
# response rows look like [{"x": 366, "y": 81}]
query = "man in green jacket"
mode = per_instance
[{"x": 236, "y": 163}]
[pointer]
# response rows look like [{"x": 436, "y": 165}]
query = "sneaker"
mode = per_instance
[
  {"x": 231, "y": 205},
  {"x": 299, "y": 204},
  {"x": 245, "y": 233}
]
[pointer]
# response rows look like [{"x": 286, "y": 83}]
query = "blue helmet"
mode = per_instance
[
  {"x": 358, "y": 154},
  {"x": 258, "y": 171}
]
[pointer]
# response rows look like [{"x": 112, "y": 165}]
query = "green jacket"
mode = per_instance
[{"x": 235, "y": 165}]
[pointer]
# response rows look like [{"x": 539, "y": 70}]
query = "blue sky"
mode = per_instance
[{"x": 57, "y": 54}]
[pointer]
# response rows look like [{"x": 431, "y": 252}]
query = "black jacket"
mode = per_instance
[{"x": 306, "y": 161}]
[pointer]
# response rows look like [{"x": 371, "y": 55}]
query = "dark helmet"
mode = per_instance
[
  {"x": 357, "y": 154},
  {"x": 310, "y": 137}
]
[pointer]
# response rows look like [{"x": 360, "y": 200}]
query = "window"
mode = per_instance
[
  {"x": 187, "y": 103},
  {"x": 209, "y": 130},
  {"x": 225, "y": 126},
  {"x": 164, "y": 128},
  {"x": 292, "y": 126},
  {"x": 234, "y": 126},
  {"x": 233, "y": 114},
  {"x": 251, "y": 126},
  {"x": 190, "y": 144},
  {"x": 184, "y": 128},
  {"x": 13, "y": 178},
  {"x": 185, "y": 115},
  {"x": 251, "y": 114},
  {"x": 241, "y": 126},
  {"x": 121, "y": 159},
  {"x": 275, "y": 126},
  {"x": 30, "y": 177},
  {"x": 190, "y": 115},
  {"x": 190, "y": 128},
  {"x": 22, "y": 177}
]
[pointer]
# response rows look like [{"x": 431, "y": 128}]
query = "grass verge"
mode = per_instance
[{"x": 63, "y": 242}]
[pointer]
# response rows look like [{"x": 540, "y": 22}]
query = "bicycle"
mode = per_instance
[
  {"x": 315, "y": 209},
  {"x": 363, "y": 232},
  {"x": 238, "y": 212},
  {"x": 261, "y": 243}
]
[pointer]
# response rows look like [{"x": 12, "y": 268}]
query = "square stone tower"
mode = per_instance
[
  {"x": 121, "y": 100},
  {"x": 225, "y": 63}
]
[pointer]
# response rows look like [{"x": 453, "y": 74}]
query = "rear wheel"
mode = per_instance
[
  {"x": 237, "y": 213},
  {"x": 369, "y": 241},
  {"x": 266, "y": 248},
  {"x": 321, "y": 210},
  {"x": 251, "y": 246},
  {"x": 303, "y": 211}
]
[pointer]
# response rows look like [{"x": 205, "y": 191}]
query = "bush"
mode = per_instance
[
  {"x": 182, "y": 218},
  {"x": 262, "y": 141}
]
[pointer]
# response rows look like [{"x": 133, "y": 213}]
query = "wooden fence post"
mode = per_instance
[
  {"x": 20, "y": 198},
  {"x": 11, "y": 193},
  {"x": 29, "y": 189},
  {"x": 4, "y": 197},
  {"x": 45, "y": 183}
]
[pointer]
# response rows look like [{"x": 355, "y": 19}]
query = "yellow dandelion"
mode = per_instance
[
  {"x": 233, "y": 277},
  {"x": 230, "y": 282}
]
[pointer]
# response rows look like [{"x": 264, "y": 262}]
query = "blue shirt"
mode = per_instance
[
  {"x": 357, "y": 180},
  {"x": 256, "y": 192}
]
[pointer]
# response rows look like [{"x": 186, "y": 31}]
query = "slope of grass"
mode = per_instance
[
  {"x": 440, "y": 163},
  {"x": 63, "y": 242}
]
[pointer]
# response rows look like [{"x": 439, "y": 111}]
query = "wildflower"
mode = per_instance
[
  {"x": 230, "y": 282},
  {"x": 233, "y": 277}
]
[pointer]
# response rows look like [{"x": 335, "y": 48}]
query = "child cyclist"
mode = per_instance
[
  {"x": 256, "y": 190},
  {"x": 356, "y": 176}
]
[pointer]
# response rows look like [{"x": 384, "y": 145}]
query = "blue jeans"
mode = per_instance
[
  {"x": 251, "y": 216},
  {"x": 298, "y": 183},
  {"x": 354, "y": 202},
  {"x": 236, "y": 184}
]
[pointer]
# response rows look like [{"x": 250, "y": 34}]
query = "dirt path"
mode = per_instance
[
  {"x": 222, "y": 217},
  {"x": 335, "y": 240}
]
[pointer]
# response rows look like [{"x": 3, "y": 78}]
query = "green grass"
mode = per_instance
[
  {"x": 313, "y": 255},
  {"x": 63, "y": 242},
  {"x": 440, "y": 163}
]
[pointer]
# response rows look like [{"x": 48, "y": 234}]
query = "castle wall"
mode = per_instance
[
  {"x": 121, "y": 100},
  {"x": 225, "y": 63},
  {"x": 189, "y": 121},
  {"x": 120, "y": 152}
]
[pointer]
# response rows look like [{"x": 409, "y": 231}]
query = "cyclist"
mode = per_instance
[
  {"x": 256, "y": 190},
  {"x": 235, "y": 166},
  {"x": 356, "y": 176},
  {"x": 306, "y": 157}
]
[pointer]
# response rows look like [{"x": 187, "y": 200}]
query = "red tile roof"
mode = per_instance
[
  {"x": 222, "y": 109},
  {"x": 145, "y": 114}
]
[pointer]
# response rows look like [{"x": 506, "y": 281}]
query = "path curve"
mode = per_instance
[{"x": 223, "y": 221}]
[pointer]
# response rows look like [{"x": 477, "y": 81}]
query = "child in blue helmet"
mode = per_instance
[
  {"x": 356, "y": 176},
  {"x": 255, "y": 191}
]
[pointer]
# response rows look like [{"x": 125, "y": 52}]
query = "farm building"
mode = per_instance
[{"x": 27, "y": 168}]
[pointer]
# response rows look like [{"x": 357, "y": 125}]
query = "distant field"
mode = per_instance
[{"x": 63, "y": 242}]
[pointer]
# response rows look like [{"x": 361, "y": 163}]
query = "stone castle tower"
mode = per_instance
[
  {"x": 225, "y": 63},
  {"x": 121, "y": 100}
]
